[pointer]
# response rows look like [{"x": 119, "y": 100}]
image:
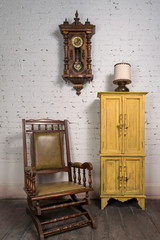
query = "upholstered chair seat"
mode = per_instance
[{"x": 59, "y": 187}]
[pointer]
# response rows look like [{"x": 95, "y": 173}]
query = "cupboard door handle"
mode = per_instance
[
  {"x": 125, "y": 177},
  {"x": 120, "y": 125},
  {"x": 120, "y": 176},
  {"x": 126, "y": 125}
]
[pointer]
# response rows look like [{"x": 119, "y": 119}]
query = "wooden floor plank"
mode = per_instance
[
  {"x": 145, "y": 225},
  {"x": 101, "y": 231},
  {"x": 153, "y": 211},
  {"x": 118, "y": 221},
  {"x": 15, "y": 220},
  {"x": 130, "y": 223},
  {"x": 20, "y": 227},
  {"x": 30, "y": 233},
  {"x": 7, "y": 220},
  {"x": 115, "y": 224}
]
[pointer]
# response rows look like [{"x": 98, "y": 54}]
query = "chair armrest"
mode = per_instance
[{"x": 84, "y": 165}]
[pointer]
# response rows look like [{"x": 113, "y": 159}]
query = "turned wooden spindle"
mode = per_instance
[
  {"x": 89, "y": 178},
  {"x": 79, "y": 175},
  {"x": 63, "y": 218},
  {"x": 29, "y": 183},
  {"x": 74, "y": 174},
  {"x": 31, "y": 178},
  {"x": 84, "y": 178},
  {"x": 33, "y": 186},
  {"x": 25, "y": 179}
]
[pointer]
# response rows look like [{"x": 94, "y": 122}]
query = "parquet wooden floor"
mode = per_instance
[{"x": 119, "y": 221}]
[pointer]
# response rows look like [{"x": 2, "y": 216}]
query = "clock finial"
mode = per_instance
[
  {"x": 87, "y": 22},
  {"x": 76, "y": 17},
  {"x": 65, "y": 22}
]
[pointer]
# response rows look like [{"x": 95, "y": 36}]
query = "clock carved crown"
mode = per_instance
[{"x": 77, "y": 52}]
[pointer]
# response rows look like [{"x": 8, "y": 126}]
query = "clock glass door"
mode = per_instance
[{"x": 77, "y": 43}]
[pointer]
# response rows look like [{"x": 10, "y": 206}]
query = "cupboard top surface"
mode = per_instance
[{"x": 120, "y": 93}]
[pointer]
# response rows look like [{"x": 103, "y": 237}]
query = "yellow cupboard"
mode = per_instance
[{"x": 122, "y": 146}]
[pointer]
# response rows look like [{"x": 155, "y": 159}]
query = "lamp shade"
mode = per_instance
[{"x": 122, "y": 71}]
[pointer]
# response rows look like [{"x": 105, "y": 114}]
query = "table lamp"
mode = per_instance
[{"x": 122, "y": 76}]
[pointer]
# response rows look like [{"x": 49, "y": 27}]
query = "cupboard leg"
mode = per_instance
[
  {"x": 104, "y": 202},
  {"x": 141, "y": 203}
]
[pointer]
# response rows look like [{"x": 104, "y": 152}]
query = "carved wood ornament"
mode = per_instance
[{"x": 77, "y": 52}]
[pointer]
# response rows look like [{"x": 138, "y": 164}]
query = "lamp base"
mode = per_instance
[{"x": 121, "y": 85}]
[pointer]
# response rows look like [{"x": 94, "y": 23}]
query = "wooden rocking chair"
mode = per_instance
[{"x": 46, "y": 148}]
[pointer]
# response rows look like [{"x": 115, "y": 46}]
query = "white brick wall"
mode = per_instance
[{"x": 31, "y": 65}]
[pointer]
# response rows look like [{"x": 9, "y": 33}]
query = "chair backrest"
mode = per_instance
[
  {"x": 47, "y": 150},
  {"x": 47, "y": 139}
]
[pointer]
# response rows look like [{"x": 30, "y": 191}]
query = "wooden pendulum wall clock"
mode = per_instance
[{"x": 77, "y": 52}]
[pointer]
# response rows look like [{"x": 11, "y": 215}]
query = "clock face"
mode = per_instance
[{"x": 77, "y": 42}]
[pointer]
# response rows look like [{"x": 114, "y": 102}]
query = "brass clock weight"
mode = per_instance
[{"x": 77, "y": 52}]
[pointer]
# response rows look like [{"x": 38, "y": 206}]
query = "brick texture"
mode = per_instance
[{"x": 31, "y": 65}]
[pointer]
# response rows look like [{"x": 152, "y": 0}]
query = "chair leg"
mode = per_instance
[
  {"x": 30, "y": 210},
  {"x": 74, "y": 198},
  {"x": 89, "y": 216},
  {"x": 80, "y": 208}
]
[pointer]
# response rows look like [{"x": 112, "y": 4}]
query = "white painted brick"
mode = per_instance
[{"x": 31, "y": 65}]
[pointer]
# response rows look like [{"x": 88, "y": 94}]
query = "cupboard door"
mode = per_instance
[
  {"x": 133, "y": 124},
  {"x": 133, "y": 174},
  {"x": 111, "y": 125},
  {"x": 111, "y": 175}
]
